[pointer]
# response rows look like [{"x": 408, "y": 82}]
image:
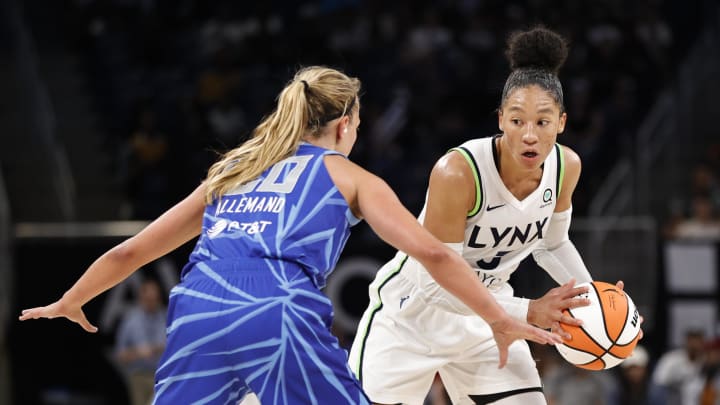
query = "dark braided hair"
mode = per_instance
[{"x": 535, "y": 58}]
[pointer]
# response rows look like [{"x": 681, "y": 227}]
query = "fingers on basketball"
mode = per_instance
[{"x": 610, "y": 330}]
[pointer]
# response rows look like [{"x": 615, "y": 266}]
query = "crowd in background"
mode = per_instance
[
  {"x": 177, "y": 82},
  {"x": 695, "y": 215},
  {"x": 140, "y": 341}
]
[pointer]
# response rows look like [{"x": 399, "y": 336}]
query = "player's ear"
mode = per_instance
[
  {"x": 561, "y": 125},
  {"x": 500, "y": 122},
  {"x": 342, "y": 127}
]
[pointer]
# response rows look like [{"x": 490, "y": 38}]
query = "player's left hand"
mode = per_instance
[
  {"x": 621, "y": 286},
  {"x": 547, "y": 311},
  {"x": 59, "y": 309}
]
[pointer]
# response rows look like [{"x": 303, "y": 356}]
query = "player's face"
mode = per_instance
[{"x": 530, "y": 120}]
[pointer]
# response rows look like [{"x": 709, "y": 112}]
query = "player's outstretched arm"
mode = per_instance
[
  {"x": 168, "y": 232},
  {"x": 397, "y": 226},
  {"x": 373, "y": 199}
]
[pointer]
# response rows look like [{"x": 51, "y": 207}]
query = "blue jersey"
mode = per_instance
[
  {"x": 248, "y": 314},
  {"x": 293, "y": 212}
]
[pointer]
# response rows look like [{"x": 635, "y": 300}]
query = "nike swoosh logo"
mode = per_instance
[{"x": 489, "y": 208}]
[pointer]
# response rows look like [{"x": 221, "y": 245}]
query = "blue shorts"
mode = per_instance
[{"x": 246, "y": 325}]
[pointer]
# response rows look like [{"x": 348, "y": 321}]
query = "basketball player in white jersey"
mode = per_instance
[{"x": 495, "y": 200}]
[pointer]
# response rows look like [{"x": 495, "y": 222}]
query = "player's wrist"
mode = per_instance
[
  {"x": 70, "y": 300},
  {"x": 532, "y": 314},
  {"x": 500, "y": 322}
]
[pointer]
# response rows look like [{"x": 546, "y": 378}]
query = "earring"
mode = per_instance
[{"x": 345, "y": 131}]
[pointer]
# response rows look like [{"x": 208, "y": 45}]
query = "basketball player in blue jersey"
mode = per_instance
[
  {"x": 273, "y": 216},
  {"x": 495, "y": 201}
]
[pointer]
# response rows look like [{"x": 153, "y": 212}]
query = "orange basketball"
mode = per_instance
[{"x": 610, "y": 330}]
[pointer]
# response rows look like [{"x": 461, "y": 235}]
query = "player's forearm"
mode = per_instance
[
  {"x": 455, "y": 276},
  {"x": 558, "y": 256},
  {"x": 563, "y": 263},
  {"x": 107, "y": 271},
  {"x": 168, "y": 232}
]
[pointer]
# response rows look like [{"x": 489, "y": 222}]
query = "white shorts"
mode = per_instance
[{"x": 402, "y": 342}]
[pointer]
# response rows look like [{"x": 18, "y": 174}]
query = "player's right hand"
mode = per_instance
[
  {"x": 59, "y": 309},
  {"x": 547, "y": 311},
  {"x": 508, "y": 329}
]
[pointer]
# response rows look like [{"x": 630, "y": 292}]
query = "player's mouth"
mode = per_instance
[{"x": 531, "y": 158}]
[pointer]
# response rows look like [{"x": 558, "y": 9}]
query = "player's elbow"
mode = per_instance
[
  {"x": 123, "y": 253},
  {"x": 436, "y": 256}
]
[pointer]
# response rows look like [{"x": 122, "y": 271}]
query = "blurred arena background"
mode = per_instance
[{"x": 110, "y": 111}]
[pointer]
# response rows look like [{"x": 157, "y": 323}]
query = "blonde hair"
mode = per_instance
[{"x": 314, "y": 97}]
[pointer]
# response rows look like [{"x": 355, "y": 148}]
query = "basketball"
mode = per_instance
[{"x": 610, "y": 330}]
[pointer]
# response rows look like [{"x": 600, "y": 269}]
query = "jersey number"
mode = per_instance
[
  {"x": 492, "y": 263},
  {"x": 293, "y": 166}
]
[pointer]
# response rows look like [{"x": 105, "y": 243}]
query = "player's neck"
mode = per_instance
[{"x": 324, "y": 142}]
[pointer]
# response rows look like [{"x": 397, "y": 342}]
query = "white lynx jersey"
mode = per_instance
[{"x": 500, "y": 230}]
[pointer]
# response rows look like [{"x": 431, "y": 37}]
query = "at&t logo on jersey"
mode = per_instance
[
  {"x": 250, "y": 228},
  {"x": 217, "y": 228}
]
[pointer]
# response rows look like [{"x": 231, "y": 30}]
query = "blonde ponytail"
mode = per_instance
[{"x": 315, "y": 96}]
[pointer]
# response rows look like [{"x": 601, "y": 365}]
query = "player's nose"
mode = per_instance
[{"x": 530, "y": 136}]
